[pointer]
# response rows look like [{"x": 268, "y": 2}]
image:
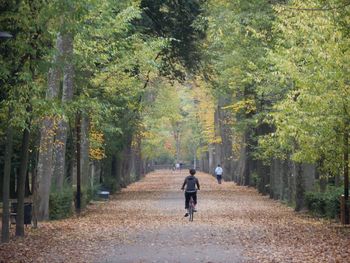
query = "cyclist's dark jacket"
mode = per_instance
[{"x": 191, "y": 182}]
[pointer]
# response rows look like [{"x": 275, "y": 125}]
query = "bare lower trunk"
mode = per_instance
[
  {"x": 78, "y": 157},
  {"x": 138, "y": 159},
  {"x": 35, "y": 197},
  {"x": 5, "y": 233},
  {"x": 126, "y": 162},
  {"x": 226, "y": 138},
  {"x": 84, "y": 162},
  {"x": 299, "y": 187},
  {"x": 21, "y": 184},
  {"x": 177, "y": 137},
  {"x": 45, "y": 168},
  {"x": 62, "y": 127},
  {"x": 346, "y": 174},
  {"x": 211, "y": 164},
  {"x": 217, "y": 146},
  {"x": 59, "y": 153}
]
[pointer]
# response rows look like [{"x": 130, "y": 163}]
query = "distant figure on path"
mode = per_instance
[
  {"x": 218, "y": 173},
  {"x": 190, "y": 182},
  {"x": 177, "y": 166}
]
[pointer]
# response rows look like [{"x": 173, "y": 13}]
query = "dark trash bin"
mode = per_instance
[
  {"x": 27, "y": 212},
  {"x": 103, "y": 194}
]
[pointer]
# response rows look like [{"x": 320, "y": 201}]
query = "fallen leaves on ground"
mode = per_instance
[{"x": 151, "y": 211}]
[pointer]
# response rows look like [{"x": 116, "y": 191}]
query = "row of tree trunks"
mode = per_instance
[
  {"x": 128, "y": 165},
  {"x": 282, "y": 179}
]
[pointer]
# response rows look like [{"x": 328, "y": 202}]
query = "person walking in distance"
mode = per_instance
[
  {"x": 218, "y": 173},
  {"x": 191, "y": 191}
]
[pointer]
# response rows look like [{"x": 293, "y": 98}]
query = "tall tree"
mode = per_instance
[
  {"x": 23, "y": 68},
  {"x": 45, "y": 161}
]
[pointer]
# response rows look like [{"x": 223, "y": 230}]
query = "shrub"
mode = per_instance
[
  {"x": 60, "y": 204},
  {"x": 111, "y": 184},
  {"x": 88, "y": 194},
  {"x": 255, "y": 179},
  {"x": 325, "y": 204}
]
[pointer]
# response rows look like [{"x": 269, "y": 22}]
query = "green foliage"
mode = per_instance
[
  {"x": 120, "y": 61},
  {"x": 256, "y": 179},
  {"x": 61, "y": 204},
  {"x": 184, "y": 24},
  {"x": 22, "y": 59},
  {"x": 239, "y": 39},
  {"x": 325, "y": 204},
  {"x": 310, "y": 58}
]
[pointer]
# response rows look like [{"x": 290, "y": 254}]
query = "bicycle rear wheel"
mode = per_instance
[{"x": 191, "y": 209}]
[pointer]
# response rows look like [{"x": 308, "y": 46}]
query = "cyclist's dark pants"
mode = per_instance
[
  {"x": 187, "y": 198},
  {"x": 219, "y": 178}
]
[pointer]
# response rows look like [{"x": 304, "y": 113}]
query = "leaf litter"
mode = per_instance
[{"x": 148, "y": 214}]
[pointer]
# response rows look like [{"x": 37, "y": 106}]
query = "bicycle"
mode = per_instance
[{"x": 191, "y": 209}]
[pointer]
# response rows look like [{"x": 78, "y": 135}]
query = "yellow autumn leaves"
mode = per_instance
[{"x": 96, "y": 151}]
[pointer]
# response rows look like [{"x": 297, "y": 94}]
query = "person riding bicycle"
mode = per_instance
[{"x": 190, "y": 182}]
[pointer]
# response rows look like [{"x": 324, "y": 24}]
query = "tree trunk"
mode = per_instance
[
  {"x": 119, "y": 170},
  {"x": 217, "y": 146},
  {"x": 263, "y": 172},
  {"x": 211, "y": 164},
  {"x": 21, "y": 183},
  {"x": 247, "y": 172},
  {"x": 78, "y": 159},
  {"x": 5, "y": 233},
  {"x": 59, "y": 154},
  {"x": 27, "y": 191},
  {"x": 225, "y": 132},
  {"x": 45, "y": 168},
  {"x": 272, "y": 179},
  {"x": 346, "y": 174},
  {"x": 177, "y": 134},
  {"x": 136, "y": 158},
  {"x": 45, "y": 162},
  {"x": 85, "y": 161},
  {"x": 138, "y": 164},
  {"x": 299, "y": 187},
  {"x": 285, "y": 175},
  {"x": 114, "y": 168},
  {"x": 62, "y": 127},
  {"x": 126, "y": 162},
  {"x": 35, "y": 194}
]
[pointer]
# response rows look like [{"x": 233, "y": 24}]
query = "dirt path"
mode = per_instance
[{"x": 145, "y": 223}]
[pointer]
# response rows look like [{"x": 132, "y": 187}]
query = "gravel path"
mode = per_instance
[
  {"x": 145, "y": 223},
  {"x": 171, "y": 237}
]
